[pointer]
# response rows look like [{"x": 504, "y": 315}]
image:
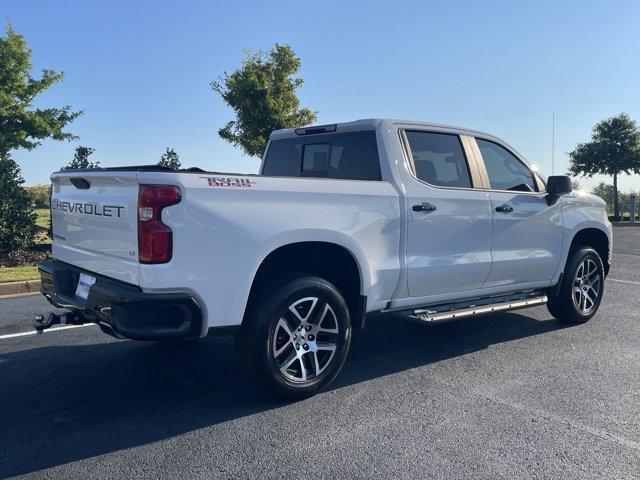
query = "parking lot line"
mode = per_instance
[
  {"x": 623, "y": 281},
  {"x": 33, "y": 332},
  {"x": 66, "y": 327}
]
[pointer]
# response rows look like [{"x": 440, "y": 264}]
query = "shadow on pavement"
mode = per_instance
[{"x": 59, "y": 404}]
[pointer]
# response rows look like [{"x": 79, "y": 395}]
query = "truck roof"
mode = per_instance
[{"x": 371, "y": 124}]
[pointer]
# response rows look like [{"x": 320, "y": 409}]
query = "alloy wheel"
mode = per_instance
[
  {"x": 587, "y": 283},
  {"x": 305, "y": 339}
]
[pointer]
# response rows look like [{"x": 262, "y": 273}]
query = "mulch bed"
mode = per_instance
[{"x": 26, "y": 257}]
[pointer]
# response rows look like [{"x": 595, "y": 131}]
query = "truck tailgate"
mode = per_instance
[{"x": 94, "y": 222}]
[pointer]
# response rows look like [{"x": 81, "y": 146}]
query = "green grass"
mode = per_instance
[
  {"x": 42, "y": 221},
  {"x": 42, "y": 217},
  {"x": 16, "y": 274},
  {"x": 29, "y": 271}
]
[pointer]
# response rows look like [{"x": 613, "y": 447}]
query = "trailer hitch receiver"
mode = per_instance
[{"x": 42, "y": 323}]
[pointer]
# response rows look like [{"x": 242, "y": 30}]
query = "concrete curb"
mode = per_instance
[
  {"x": 17, "y": 288},
  {"x": 626, "y": 224}
]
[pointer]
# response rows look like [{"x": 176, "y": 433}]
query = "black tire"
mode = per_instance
[
  {"x": 263, "y": 333},
  {"x": 565, "y": 306}
]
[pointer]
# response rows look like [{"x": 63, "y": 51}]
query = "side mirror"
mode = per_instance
[{"x": 557, "y": 185}]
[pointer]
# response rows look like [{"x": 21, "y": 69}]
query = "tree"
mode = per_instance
[
  {"x": 262, "y": 94},
  {"x": 39, "y": 195},
  {"x": 170, "y": 159},
  {"x": 605, "y": 192},
  {"x": 81, "y": 158},
  {"x": 17, "y": 219},
  {"x": 23, "y": 126},
  {"x": 614, "y": 149}
]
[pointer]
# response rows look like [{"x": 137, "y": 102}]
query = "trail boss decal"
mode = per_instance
[
  {"x": 87, "y": 208},
  {"x": 228, "y": 182}
]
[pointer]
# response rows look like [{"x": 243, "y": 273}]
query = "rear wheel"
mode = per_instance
[
  {"x": 582, "y": 287},
  {"x": 296, "y": 337}
]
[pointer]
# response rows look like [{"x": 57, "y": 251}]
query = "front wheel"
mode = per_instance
[
  {"x": 582, "y": 287},
  {"x": 296, "y": 337}
]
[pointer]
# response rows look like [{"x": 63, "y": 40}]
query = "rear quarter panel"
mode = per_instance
[{"x": 224, "y": 230}]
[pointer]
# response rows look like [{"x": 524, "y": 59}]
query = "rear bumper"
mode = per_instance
[{"x": 121, "y": 309}]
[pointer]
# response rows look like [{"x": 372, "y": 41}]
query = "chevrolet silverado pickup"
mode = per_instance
[{"x": 414, "y": 220}]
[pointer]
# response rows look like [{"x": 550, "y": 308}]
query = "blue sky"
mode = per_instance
[{"x": 141, "y": 70}]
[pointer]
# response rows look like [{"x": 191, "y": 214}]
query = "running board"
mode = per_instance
[{"x": 433, "y": 315}]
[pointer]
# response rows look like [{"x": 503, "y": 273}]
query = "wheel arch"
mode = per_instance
[
  {"x": 595, "y": 238},
  {"x": 327, "y": 259}
]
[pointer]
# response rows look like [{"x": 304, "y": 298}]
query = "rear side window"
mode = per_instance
[
  {"x": 505, "y": 171},
  {"x": 438, "y": 159},
  {"x": 283, "y": 158},
  {"x": 348, "y": 156}
]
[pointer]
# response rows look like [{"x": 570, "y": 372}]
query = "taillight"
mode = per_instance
[{"x": 155, "y": 239}]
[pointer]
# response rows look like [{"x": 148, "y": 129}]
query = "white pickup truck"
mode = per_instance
[{"x": 412, "y": 219}]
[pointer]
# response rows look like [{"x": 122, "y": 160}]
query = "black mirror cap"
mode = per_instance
[{"x": 559, "y": 184}]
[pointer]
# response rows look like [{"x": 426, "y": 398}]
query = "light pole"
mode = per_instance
[{"x": 553, "y": 143}]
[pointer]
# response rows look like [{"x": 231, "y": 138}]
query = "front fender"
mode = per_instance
[{"x": 581, "y": 211}]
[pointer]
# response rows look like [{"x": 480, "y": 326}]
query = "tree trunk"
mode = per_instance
[{"x": 616, "y": 207}]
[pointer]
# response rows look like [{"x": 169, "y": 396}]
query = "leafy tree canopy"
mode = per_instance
[
  {"x": 81, "y": 158},
  {"x": 171, "y": 159},
  {"x": 614, "y": 149},
  {"x": 21, "y": 124},
  {"x": 262, "y": 94}
]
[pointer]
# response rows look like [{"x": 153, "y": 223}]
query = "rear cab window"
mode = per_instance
[
  {"x": 438, "y": 158},
  {"x": 346, "y": 156}
]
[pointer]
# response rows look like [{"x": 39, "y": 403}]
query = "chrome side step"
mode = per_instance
[{"x": 432, "y": 315}]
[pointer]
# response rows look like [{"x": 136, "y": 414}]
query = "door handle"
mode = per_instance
[
  {"x": 424, "y": 207},
  {"x": 504, "y": 208}
]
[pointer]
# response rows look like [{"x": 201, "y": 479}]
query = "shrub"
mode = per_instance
[
  {"x": 39, "y": 195},
  {"x": 17, "y": 218}
]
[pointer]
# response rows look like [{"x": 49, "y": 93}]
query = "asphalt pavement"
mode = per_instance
[{"x": 512, "y": 395}]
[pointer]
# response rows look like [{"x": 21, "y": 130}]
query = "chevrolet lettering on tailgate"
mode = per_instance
[{"x": 87, "y": 208}]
